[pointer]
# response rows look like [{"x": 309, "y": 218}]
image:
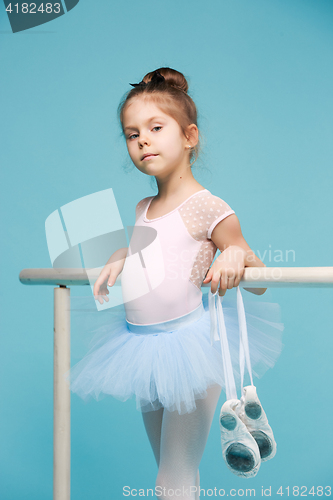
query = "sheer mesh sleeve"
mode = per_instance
[
  {"x": 218, "y": 210},
  {"x": 201, "y": 214}
]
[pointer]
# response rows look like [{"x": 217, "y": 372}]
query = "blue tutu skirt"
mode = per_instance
[{"x": 163, "y": 366}]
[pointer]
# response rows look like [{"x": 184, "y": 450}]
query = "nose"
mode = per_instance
[{"x": 143, "y": 139}]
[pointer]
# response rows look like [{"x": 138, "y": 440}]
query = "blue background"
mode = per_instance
[{"x": 261, "y": 74}]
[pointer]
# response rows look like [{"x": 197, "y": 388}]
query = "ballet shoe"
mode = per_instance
[
  {"x": 253, "y": 416},
  {"x": 239, "y": 449}
]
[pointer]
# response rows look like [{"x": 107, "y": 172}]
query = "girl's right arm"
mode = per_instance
[
  {"x": 114, "y": 265},
  {"x": 109, "y": 274}
]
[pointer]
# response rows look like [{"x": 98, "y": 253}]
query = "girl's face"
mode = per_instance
[{"x": 149, "y": 131}]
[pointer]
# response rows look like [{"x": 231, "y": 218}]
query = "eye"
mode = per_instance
[
  {"x": 157, "y": 126},
  {"x": 131, "y": 136}
]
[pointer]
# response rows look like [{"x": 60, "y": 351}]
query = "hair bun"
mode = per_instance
[{"x": 172, "y": 77}]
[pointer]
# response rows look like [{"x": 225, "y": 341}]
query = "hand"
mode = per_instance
[
  {"x": 106, "y": 278},
  {"x": 227, "y": 270}
]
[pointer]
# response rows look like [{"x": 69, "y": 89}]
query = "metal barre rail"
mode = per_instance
[{"x": 254, "y": 277}]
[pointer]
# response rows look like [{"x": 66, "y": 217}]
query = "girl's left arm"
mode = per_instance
[{"x": 235, "y": 254}]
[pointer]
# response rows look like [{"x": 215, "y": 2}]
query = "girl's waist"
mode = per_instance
[{"x": 170, "y": 325}]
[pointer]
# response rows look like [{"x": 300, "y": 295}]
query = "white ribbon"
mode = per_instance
[
  {"x": 244, "y": 351},
  {"x": 218, "y": 332}
]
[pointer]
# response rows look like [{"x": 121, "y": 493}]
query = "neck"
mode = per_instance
[{"x": 177, "y": 184}]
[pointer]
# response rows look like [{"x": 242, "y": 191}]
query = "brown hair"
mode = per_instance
[{"x": 171, "y": 97}]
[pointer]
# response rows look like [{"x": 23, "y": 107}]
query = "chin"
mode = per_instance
[{"x": 146, "y": 170}]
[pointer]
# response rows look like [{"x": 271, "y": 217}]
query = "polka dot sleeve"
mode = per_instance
[
  {"x": 218, "y": 210},
  {"x": 202, "y": 212}
]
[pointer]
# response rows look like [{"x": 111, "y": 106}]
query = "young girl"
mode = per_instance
[{"x": 161, "y": 351}]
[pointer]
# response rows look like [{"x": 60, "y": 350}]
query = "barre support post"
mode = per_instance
[{"x": 61, "y": 395}]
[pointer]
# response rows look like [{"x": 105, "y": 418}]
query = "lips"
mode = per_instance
[{"x": 148, "y": 155}]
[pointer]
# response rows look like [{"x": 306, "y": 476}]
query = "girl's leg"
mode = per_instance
[
  {"x": 183, "y": 440},
  {"x": 153, "y": 423}
]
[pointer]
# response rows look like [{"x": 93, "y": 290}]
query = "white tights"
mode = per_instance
[{"x": 178, "y": 443}]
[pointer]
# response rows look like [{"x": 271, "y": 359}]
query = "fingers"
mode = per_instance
[
  {"x": 238, "y": 277},
  {"x": 237, "y": 281},
  {"x": 106, "y": 278},
  {"x": 101, "y": 297},
  {"x": 96, "y": 290},
  {"x": 100, "y": 292},
  {"x": 215, "y": 282},
  {"x": 114, "y": 273},
  {"x": 224, "y": 279},
  {"x": 227, "y": 280},
  {"x": 112, "y": 280},
  {"x": 228, "y": 285}
]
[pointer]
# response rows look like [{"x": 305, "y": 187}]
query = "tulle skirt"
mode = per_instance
[{"x": 172, "y": 369}]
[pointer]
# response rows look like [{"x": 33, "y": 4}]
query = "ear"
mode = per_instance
[{"x": 192, "y": 135}]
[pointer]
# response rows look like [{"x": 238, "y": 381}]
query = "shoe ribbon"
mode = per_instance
[
  {"x": 218, "y": 332},
  {"x": 244, "y": 350}
]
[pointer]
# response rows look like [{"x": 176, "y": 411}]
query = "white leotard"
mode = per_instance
[{"x": 168, "y": 258}]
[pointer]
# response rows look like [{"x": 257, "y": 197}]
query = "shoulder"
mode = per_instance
[
  {"x": 143, "y": 202},
  {"x": 140, "y": 207},
  {"x": 213, "y": 199}
]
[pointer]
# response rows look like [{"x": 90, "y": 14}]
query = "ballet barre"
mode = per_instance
[{"x": 63, "y": 279}]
